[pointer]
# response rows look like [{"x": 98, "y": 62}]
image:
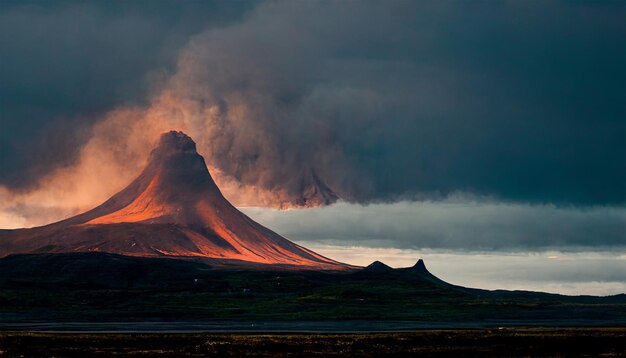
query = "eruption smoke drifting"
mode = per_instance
[
  {"x": 224, "y": 93},
  {"x": 302, "y": 103}
]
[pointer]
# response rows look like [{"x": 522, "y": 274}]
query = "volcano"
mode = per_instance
[{"x": 173, "y": 209}]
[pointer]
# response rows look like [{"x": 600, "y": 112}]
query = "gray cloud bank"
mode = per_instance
[
  {"x": 453, "y": 225},
  {"x": 472, "y": 242},
  {"x": 382, "y": 100}
]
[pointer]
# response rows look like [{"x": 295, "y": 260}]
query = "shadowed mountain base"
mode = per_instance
[{"x": 166, "y": 294}]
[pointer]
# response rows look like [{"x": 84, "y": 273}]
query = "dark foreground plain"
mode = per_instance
[
  {"x": 95, "y": 304},
  {"x": 104, "y": 292},
  {"x": 508, "y": 342}
]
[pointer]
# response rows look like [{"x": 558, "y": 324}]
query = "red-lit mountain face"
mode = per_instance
[{"x": 172, "y": 209}]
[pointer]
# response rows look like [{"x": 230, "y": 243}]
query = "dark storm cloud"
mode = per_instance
[
  {"x": 523, "y": 101},
  {"x": 63, "y": 64},
  {"x": 383, "y": 100}
]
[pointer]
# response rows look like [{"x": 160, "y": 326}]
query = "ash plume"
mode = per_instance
[{"x": 302, "y": 104}]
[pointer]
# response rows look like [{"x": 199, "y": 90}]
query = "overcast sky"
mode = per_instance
[
  {"x": 467, "y": 126},
  {"x": 471, "y": 242}
]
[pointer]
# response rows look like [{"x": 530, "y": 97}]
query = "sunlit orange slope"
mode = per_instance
[{"x": 172, "y": 209}]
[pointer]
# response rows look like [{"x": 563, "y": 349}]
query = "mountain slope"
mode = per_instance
[{"x": 174, "y": 208}]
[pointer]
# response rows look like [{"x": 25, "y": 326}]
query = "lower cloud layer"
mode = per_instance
[{"x": 477, "y": 244}]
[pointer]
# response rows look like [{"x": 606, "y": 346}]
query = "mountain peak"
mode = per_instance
[
  {"x": 172, "y": 143},
  {"x": 420, "y": 267},
  {"x": 377, "y": 267},
  {"x": 176, "y": 140},
  {"x": 169, "y": 190},
  {"x": 175, "y": 209}
]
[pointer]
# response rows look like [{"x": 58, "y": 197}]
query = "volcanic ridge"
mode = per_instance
[{"x": 173, "y": 209}]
